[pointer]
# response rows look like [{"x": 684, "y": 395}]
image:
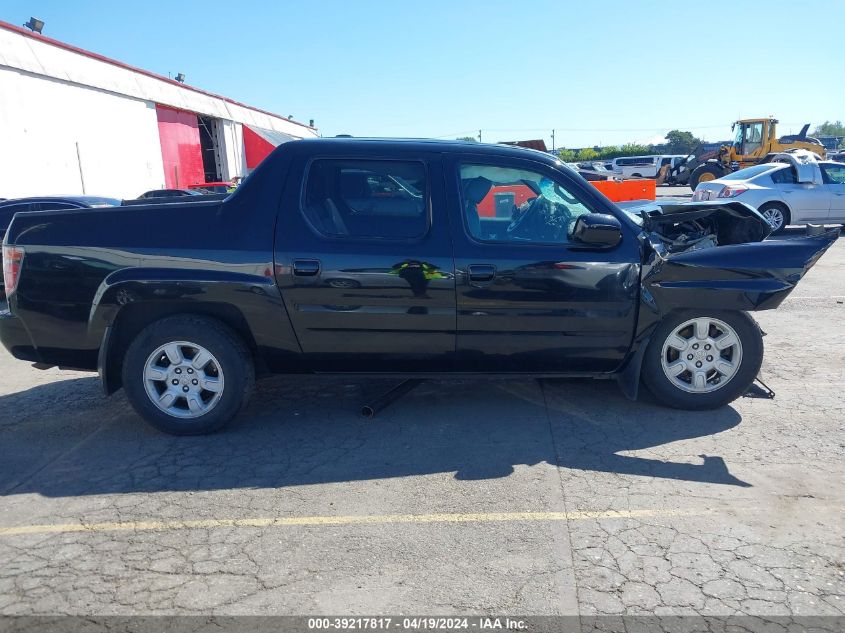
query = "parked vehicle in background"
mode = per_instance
[
  {"x": 372, "y": 256},
  {"x": 213, "y": 187},
  {"x": 8, "y": 208},
  {"x": 169, "y": 193},
  {"x": 644, "y": 166},
  {"x": 633, "y": 161},
  {"x": 795, "y": 189},
  {"x": 591, "y": 171},
  {"x": 597, "y": 166}
]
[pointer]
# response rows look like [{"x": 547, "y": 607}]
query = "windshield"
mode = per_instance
[
  {"x": 749, "y": 172},
  {"x": 738, "y": 136}
]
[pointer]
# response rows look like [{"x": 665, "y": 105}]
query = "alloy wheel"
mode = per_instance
[
  {"x": 774, "y": 216},
  {"x": 701, "y": 355},
  {"x": 183, "y": 379}
]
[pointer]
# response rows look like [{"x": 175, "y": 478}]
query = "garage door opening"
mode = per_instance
[{"x": 210, "y": 144}]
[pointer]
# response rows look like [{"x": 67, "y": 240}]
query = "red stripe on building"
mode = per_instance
[{"x": 256, "y": 148}]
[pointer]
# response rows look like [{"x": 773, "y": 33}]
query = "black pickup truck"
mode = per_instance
[{"x": 400, "y": 258}]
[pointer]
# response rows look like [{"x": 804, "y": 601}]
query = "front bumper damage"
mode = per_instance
[{"x": 713, "y": 256}]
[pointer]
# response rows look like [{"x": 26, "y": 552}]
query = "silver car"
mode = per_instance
[{"x": 797, "y": 191}]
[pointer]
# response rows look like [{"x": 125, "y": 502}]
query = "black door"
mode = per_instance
[
  {"x": 529, "y": 299},
  {"x": 364, "y": 261}
]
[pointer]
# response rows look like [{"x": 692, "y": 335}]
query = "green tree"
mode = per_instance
[
  {"x": 634, "y": 149},
  {"x": 830, "y": 128},
  {"x": 588, "y": 153},
  {"x": 611, "y": 151},
  {"x": 680, "y": 142},
  {"x": 566, "y": 155}
]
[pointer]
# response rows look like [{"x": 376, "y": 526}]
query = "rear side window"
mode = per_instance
[
  {"x": 52, "y": 206},
  {"x": 783, "y": 176},
  {"x": 367, "y": 198}
]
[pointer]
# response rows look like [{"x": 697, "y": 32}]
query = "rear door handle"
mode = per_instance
[
  {"x": 306, "y": 267},
  {"x": 481, "y": 274}
]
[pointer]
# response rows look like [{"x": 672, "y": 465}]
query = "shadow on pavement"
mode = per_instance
[{"x": 301, "y": 430}]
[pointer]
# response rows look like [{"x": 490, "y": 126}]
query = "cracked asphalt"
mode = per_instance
[{"x": 553, "y": 497}]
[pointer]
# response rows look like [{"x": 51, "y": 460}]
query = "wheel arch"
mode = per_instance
[
  {"x": 629, "y": 376},
  {"x": 130, "y": 319}
]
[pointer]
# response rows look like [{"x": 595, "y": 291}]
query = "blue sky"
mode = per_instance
[{"x": 600, "y": 72}]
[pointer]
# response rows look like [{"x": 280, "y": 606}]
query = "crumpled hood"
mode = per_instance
[{"x": 732, "y": 222}]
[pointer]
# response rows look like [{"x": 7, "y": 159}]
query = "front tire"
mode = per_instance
[
  {"x": 703, "y": 359},
  {"x": 187, "y": 375}
]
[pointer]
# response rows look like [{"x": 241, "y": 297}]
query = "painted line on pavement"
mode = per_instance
[{"x": 383, "y": 519}]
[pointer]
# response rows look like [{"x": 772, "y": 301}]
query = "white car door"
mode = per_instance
[
  {"x": 834, "y": 178},
  {"x": 808, "y": 202}
]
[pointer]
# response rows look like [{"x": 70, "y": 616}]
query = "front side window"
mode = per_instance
[
  {"x": 367, "y": 198},
  {"x": 508, "y": 204},
  {"x": 834, "y": 174}
]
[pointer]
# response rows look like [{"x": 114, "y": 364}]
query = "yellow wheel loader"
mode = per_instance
[{"x": 755, "y": 141}]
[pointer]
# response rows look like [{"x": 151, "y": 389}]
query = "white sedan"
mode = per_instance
[{"x": 785, "y": 193}]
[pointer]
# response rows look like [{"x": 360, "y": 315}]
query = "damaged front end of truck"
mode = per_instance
[
  {"x": 713, "y": 255},
  {"x": 716, "y": 255}
]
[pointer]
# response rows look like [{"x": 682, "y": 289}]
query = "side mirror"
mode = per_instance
[{"x": 597, "y": 229}]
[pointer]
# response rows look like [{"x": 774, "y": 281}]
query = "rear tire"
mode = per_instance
[
  {"x": 188, "y": 375},
  {"x": 775, "y": 212},
  {"x": 702, "y": 375}
]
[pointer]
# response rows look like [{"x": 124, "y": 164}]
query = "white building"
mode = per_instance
[{"x": 74, "y": 122}]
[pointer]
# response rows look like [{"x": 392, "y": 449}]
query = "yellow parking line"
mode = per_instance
[{"x": 476, "y": 517}]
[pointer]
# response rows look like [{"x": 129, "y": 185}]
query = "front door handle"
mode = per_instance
[
  {"x": 306, "y": 267},
  {"x": 481, "y": 274}
]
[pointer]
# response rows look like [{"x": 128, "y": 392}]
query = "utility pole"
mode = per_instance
[{"x": 479, "y": 136}]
